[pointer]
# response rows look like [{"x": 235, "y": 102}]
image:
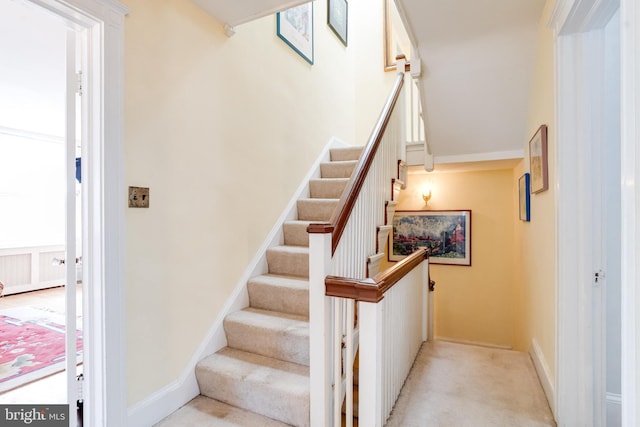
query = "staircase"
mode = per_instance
[{"x": 262, "y": 376}]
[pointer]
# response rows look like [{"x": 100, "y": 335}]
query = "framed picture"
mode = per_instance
[
  {"x": 338, "y": 18},
  {"x": 445, "y": 234},
  {"x": 295, "y": 27},
  {"x": 538, "y": 163},
  {"x": 524, "y": 197}
]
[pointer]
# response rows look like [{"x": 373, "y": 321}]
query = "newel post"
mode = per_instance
[
  {"x": 319, "y": 330},
  {"x": 370, "y": 370}
]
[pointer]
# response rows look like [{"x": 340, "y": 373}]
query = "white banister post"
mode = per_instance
[
  {"x": 401, "y": 104},
  {"x": 319, "y": 331},
  {"x": 426, "y": 306},
  {"x": 370, "y": 365}
]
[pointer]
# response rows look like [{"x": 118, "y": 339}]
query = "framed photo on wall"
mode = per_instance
[
  {"x": 295, "y": 28},
  {"x": 538, "y": 162},
  {"x": 338, "y": 18},
  {"x": 524, "y": 197},
  {"x": 445, "y": 234}
]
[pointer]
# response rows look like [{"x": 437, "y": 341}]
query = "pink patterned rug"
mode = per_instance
[{"x": 31, "y": 345}]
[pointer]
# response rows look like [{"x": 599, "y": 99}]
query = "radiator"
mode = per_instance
[{"x": 30, "y": 268}]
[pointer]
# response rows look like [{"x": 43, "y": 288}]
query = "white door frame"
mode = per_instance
[
  {"x": 630, "y": 193},
  {"x": 578, "y": 43},
  {"x": 103, "y": 208}
]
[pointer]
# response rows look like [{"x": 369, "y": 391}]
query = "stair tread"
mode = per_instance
[
  {"x": 269, "y": 333},
  {"x": 268, "y": 318},
  {"x": 338, "y": 169},
  {"x": 340, "y": 153},
  {"x": 340, "y": 180},
  {"x": 318, "y": 199},
  {"x": 203, "y": 411},
  {"x": 254, "y": 368},
  {"x": 316, "y": 209},
  {"x": 286, "y": 294},
  {"x": 288, "y": 260},
  {"x": 270, "y": 387},
  {"x": 289, "y": 248},
  {"x": 340, "y": 162},
  {"x": 281, "y": 281}
]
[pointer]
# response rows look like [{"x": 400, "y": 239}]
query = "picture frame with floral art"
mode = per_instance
[
  {"x": 295, "y": 27},
  {"x": 338, "y": 19},
  {"x": 538, "y": 161}
]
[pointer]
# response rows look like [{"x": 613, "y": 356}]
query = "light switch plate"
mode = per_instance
[{"x": 138, "y": 197}]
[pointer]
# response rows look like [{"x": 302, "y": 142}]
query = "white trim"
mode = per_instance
[
  {"x": 578, "y": 16},
  {"x": 163, "y": 402},
  {"x": 630, "y": 334},
  {"x": 579, "y": 95},
  {"x": 542, "y": 368},
  {"x": 614, "y": 410},
  {"x": 105, "y": 387},
  {"x": 31, "y": 135},
  {"x": 575, "y": 293},
  {"x": 476, "y": 343},
  {"x": 480, "y": 157},
  {"x": 229, "y": 25}
]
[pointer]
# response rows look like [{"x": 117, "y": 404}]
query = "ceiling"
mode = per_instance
[{"x": 477, "y": 66}]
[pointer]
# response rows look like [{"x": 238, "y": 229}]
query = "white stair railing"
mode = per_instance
[{"x": 340, "y": 249}]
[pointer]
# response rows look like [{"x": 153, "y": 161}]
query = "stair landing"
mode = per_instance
[{"x": 205, "y": 412}]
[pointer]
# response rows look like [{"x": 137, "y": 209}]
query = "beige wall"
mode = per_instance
[
  {"x": 536, "y": 293},
  {"x": 222, "y": 130},
  {"x": 372, "y": 84},
  {"x": 473, "y": 304}
]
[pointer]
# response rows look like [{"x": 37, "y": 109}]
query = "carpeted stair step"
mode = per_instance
[
  {"x": 203, "y": 411},
  {"x": 295, "y": 232},
  {"x": 288, "y": 260},
  {"x": 345, "y": 153},
  {"x": 269, "y": 387},
  {"x": 316, "y": 209},
  {"x": 327, "y": 188},
  {"x": 341, "y": 169},
  {"x": 269, "y": 333},
  {"x": 279, "y": 293}
]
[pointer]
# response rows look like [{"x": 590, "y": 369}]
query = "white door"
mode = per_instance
[{"x": 73, "y": 225}]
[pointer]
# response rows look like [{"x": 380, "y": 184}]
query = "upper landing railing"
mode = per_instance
[{"x": 384, "y": 317}]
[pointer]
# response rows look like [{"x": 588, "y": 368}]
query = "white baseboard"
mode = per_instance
[
  {"x": 614, "y": 410},
  {"x": 477, "y": 343},
  {"x": 168, "y": 399},
  {"x": 542, "y": 369}
]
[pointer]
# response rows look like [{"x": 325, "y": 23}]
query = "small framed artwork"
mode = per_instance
[
  {"x": 524, "y": 197},
  {"x": 395, "y": 40},
  {"x": 295, "y": 28},
  {"x": 538, "y": 162},
  {"x": 445, "y": 234},
  {"x": 338, "y": 18}
]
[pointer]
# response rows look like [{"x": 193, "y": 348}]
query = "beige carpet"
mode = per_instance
[{"x": 458, "y": 385}]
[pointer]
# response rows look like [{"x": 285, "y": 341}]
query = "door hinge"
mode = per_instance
[
  {"x": 80, "y": 401},
  {"x": 598, "y": 277},
  {"x": 79, "y": 83}
]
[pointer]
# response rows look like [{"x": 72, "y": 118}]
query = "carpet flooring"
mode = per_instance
[{"x": 463, "y": 385}]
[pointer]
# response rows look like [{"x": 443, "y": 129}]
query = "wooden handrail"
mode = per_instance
[
  {"x": 350, "y": 195},
  {"x": 373, "y": 290}
]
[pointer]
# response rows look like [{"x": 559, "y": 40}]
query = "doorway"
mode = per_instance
[
  {"x": 589, "y": 281},
  {"x": 103, "y": 207},
  {"x": 41, "y": 198}
]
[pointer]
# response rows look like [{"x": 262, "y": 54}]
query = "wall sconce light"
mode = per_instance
[{"x": 426, "y": 193}]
